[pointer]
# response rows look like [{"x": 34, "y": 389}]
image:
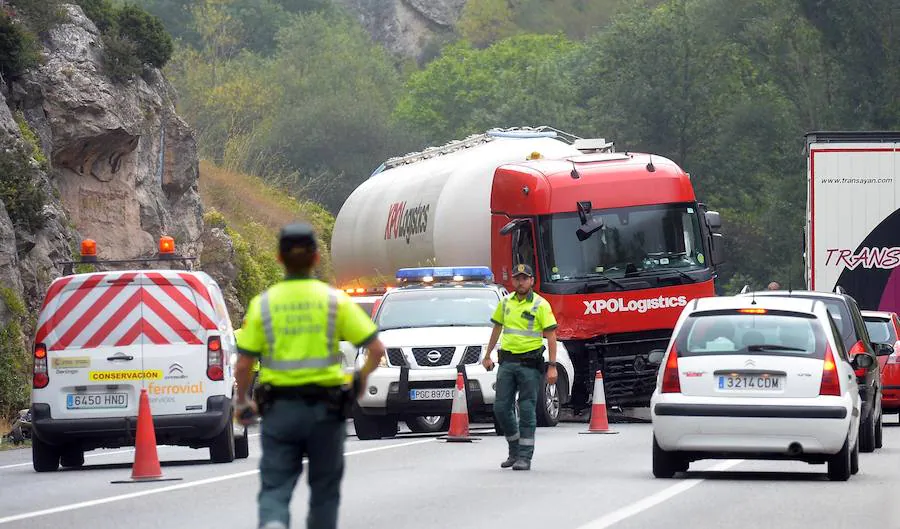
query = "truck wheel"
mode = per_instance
[
  {"x": 72, "y": 457},
  {"x": 429, "y": 424},
  {"x": 242, "y": 446},
  {"x": 369, "y": 427},
  {"x": 548, "y": 404},
  {"x": 222, "y": 448},
  {"x": 44, "y": 457}
]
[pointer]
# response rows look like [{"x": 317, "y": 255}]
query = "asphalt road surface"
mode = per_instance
[{"x": 418, "y": 482}]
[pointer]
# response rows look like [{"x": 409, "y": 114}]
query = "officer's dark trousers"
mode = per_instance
[
  {"x": 512, "y": 377},
  {"x": 292, "y": 429}
]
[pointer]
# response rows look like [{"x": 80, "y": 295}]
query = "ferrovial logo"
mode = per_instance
[{"x": 634, "y": 305}]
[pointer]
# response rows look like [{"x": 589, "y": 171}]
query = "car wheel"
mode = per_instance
[
  {"x": 854, "y": 459},
  {"x": 72, "y": 458},
  {"x": 666, "y": 464},
  {"x": 548, "y": 405},
  {"x": 840, "y": 463},
  {"x": 222, "y": 448},
  {"x": 867, "y": 434},
  {"x": 44, "y": 457},
  {"x": 429, "y": 424},
  {"x": 242, "y": 446},
  {"x": 369, "y": 427},
  {"x": 879, "y": 433}
]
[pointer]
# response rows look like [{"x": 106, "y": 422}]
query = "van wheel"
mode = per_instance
[
  {"x": 666, "y": 464},
  {"x": 222, "y": 448},
  {"x": 369, "y": 427},
  {"x": 429, "y": 424},
  {"x": 840, "y": 463},
  {"x": 44, "y": 457},
  {"x": 867, "y": 434},
  {"x": 242, "y": 446},
  {"x": 72, "y": 458}
]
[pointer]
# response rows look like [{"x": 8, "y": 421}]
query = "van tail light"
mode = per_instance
[
  {"x": 831, "y": 384},
  {"x": 858, "y": 348},
  {"x": 671, "y": 380},
  {"x": 41, "y": 373},
  {"x": 214, "y": 360}
]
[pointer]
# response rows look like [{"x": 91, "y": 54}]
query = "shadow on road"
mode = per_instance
[
  {"x": 119, "y": 466},
  {"x": 741, "y": 475}
]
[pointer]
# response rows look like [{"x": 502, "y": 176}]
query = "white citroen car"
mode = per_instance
[
  {"x": 434, "y": 327},
  {"x": 756, "y": 378}
]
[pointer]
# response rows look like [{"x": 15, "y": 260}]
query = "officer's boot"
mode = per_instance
[
  {"x": 522, "y": 464},
  {"x": 513, "y": 454}
]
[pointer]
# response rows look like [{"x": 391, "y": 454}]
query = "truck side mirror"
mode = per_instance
[
  {"x": 718, "y": 249},
  {"x": 714, "y": 220},
  {"x": 512, "y": 225},
  {"x": 588, "y": 228}
]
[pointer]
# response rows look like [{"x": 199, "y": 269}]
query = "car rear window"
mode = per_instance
[
  {"x": 880, "y": 330},
  {"x": 772, "y": 333}
]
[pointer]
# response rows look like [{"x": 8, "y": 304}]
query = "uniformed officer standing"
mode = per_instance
[
  {"x": 524, "y": 318},
  {"x": 294, "y": 329}
]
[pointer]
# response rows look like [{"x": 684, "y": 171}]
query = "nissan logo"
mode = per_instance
[{"x": 433, "y": 356}]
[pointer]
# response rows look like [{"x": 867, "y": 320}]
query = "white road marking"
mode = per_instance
[
  {"x": 653, "y": 500},
  {"x": 180, "y": 486}
]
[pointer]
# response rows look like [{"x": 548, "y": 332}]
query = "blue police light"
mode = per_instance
[{"x": 454, "y": 273}]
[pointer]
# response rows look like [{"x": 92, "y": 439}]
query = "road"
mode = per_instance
[{"x": 414, "y": 482}]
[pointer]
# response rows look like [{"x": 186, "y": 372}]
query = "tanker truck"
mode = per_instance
[{"x": 618, "y": 241}]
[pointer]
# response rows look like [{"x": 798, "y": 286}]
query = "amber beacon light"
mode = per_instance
[
  {"x": 166, "y": 247},
  {"x": 88, "y": 251}
]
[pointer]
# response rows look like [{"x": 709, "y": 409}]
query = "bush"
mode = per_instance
[
  {"x": 41, "y": 15},
  {"x": 154, "y": 45},
  {"x": 101, "y": 12},
  {"x": 18, "y": 47},
  {"x": 14, "y": 358},
  {"x": 32, "y": 141},
  {"x": 121, "y": 57},
  {"x": 19, "y": 191}
]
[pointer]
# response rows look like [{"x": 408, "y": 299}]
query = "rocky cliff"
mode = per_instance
[
  {"x": 102, "y": 160},
  {"x": 406, "y": 27}
]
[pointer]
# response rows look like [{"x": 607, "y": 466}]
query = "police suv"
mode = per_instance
[{"x": 436, "y": 324}]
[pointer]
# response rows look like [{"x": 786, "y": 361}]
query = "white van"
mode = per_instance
[{"x": 103, "y": 337}]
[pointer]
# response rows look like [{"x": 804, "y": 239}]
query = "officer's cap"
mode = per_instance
[
  {"x": 523, "y": 270},
  {"x": 296, "y": 236}
]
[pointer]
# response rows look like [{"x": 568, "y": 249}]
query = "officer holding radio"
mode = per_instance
[
  {"x": 525, "y": 319},
  {"x": 294, "y": 329}
]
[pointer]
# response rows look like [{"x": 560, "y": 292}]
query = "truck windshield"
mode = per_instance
[
  {"x": 435, "y": 307},
  {"x": 633, "y": 241}
]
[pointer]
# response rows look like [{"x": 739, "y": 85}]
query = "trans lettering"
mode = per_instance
[
  {"x": 884, "y": 258},
  {"x": 403, "y": 223}
]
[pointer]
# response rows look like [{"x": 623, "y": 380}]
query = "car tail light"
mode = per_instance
[
  {"x": 858, "y": 348},
  {"x": 831, "y": 384},
  {"x": 671, "y": 380},
  {"x": 41, "y": 374},
  {"x": 894, "y": 358},
  {"x": 214, "y": 369}
]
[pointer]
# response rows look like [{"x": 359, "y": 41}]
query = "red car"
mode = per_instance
[{"x": 884, "y": 327}]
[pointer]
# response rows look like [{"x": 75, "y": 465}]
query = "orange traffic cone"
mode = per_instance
[
  {"x": 599, "y": 421},
  {"x": 146, "y": 460},
  {"x": 459, "y": 415}
]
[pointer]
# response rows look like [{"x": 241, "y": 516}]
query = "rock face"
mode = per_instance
[
  {"x": 219, "y": 260},
  {"x": 406, "y": 27},
  {"x": 123, "y": 166}
]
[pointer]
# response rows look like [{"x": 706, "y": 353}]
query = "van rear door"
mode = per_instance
[
  {"x": 177, "y": 317},
  {"x": 90, "y": 325}
]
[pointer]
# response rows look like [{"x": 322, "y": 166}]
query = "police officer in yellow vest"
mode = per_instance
[
  {"x": 524, "y": 319},
  {"x": 294, "y": 329}
]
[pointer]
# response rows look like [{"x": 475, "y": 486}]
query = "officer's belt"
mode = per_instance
[
  {"x": 533, "y": 357},
  {"x": 308, "y": 392}
]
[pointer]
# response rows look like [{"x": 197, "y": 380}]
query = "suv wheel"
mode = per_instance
[
  {"x": 72, "y": 457},
  {"x": 44, "y": 457},
  {"x": 548, "y": 404},
  {"x": 242, "y": 446},
  {"x": 222, "y": 448},
  {"x": 429, "y": 424},
  {"x": 370, "y": 427}
]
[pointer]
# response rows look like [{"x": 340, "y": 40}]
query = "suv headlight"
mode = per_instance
[{"x": 361, "y": 358}]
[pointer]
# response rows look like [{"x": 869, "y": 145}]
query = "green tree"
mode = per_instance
[
  {"x": 154, "y": 45},
  {"x": 484, "y": 22}
]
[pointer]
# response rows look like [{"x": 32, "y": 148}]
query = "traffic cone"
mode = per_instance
[
  {"x": 146, "y": 460},
  {"x": 459, "y": 415},
  {"x": 599, "y": 421}
]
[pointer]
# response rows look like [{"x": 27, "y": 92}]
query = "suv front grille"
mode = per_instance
[
  {"x": 395, "y": 357},
  {"x": 443, "y": 357},
  {"x": 472, "y": 354}
]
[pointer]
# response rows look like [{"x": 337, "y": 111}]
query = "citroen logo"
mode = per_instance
[
  {"x": 433, "y": 356},
  {"x": 176, "y": 369},
  {"x": 750, "y": 363}
]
